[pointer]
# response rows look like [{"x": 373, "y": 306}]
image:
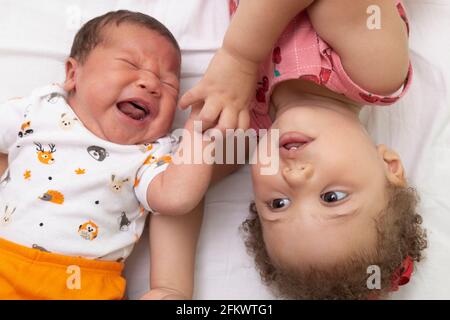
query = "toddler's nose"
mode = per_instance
[{"x": 298, "y": 174}]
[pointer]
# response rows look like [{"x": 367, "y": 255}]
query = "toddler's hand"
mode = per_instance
[
  {"x": 225, "y": 91},
  {"x": 163, "y": 294}
]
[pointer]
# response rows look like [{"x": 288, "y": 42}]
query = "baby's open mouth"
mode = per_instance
[{"x": 133, "y": 109}]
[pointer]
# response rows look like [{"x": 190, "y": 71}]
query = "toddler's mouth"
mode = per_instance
[
  {"x": 135, "y": 109},
  {"x": 292, "y": 142}
]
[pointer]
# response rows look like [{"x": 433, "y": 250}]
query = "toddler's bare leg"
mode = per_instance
[{"x": 375, "y": 59}]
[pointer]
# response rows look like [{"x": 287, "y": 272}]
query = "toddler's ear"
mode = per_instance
[
  {"x": 395, "y": 172},
  {"x": 71, "y": 69}
]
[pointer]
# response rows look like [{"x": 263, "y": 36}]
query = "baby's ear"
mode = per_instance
[
  {"x": 71, "y": 71},
  {"x": 395, "y": 172}
]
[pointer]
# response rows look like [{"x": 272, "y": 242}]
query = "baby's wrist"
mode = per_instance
[{"x": 162, "y": 293}]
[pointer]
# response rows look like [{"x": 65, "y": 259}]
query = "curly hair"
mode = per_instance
[
  {"x": 399, "y": 234},
  {"x": 90, "y": 34}
]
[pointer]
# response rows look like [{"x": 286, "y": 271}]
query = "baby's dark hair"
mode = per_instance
[
  {"x": 90, "y": 34},
  {"x": 399, "y": 234}
]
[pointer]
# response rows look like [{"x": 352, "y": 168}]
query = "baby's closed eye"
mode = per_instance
[{"x": 128, "y": 62}]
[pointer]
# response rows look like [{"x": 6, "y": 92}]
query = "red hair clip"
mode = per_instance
[{"x": 402, "y": 274}]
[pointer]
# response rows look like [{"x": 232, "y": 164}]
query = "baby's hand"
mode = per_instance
[
  {"x": 225, "y": 91},
  {"x": 163, "y": 294}
]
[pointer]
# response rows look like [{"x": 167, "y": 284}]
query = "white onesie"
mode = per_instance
[{"x": 67, "y": 191}]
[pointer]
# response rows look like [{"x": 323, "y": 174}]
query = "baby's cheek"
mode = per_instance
[
  {"x": 98, "y": 98},
  {"x": 167, "y": 114}
]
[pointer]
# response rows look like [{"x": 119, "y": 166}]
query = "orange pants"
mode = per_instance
[{"x": 27, "y": 273}]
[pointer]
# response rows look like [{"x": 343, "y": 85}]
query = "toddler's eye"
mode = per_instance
[
  {"x": 278, "y": 204},
  {"x": 333, "y": 196}
]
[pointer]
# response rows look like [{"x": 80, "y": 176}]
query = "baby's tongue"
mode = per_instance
[{"x": 130, "y": 110}]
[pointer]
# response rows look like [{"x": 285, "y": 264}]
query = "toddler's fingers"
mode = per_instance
[
  {"x": 207, "y": 125},
  {"x": 190, "y": 97},
  {"x": 210, "y": 112},
  {"x": 244, "y": 119},
  {"x": 196, "y": 108},
  {"x": 194, "y": 116},
  {"x": 228, "y": 120}
]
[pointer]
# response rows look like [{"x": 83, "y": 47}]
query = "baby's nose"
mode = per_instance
[
  {"x": 150, "y": 83},
  {"x": 298, "y": 174}
]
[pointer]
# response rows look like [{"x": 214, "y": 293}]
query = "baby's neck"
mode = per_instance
[{"x": 298, "y": 93}]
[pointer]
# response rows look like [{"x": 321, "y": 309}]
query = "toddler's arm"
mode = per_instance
[
  {"x": 377, "y": 59},
  {"x": 230, "y": 80}
]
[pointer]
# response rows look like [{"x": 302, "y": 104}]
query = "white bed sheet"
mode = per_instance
[{"x": 35, "y": 38}]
